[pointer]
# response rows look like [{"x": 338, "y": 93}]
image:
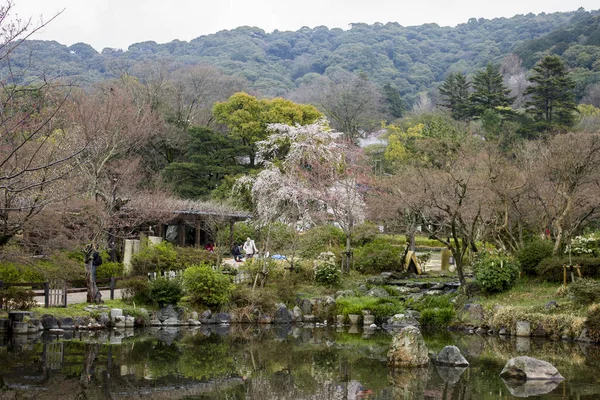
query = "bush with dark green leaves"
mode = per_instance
[
  {"x": 109, "y": 269},
  {"x": 378, "y": 256},
  {"x": 551, "y": 269},
  {"x": 320, "y": 239},
  {"x": 532, "y": 253},
  {"x": 136, "y": 289},
  {"x": 187, "y": 256},
  {"x": 164, "y": 291},
  {"x": 326, "y": 271},
  {"x": 496, "y": 273},
  {"x": 437, "y": 317},
  {"x": 585, "y": 291},
  {"x": 206, "y": 286},
  {"x": 155, "y": 258}
]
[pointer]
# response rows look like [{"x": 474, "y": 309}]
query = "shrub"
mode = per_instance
[
  {"x": 320, "y": 239},
  {"x": 326, "y": 271},
  {"x": 188, "y": 256},
  {"x": 592, "y": 321},
  {"x": 495, "y": 273},
  {"x": 437, "y": 317},
  {"x": 17, "y": 273},
  {"x": 165, "y": 291},
  {"x": 109, "y": 269},
  {"x": 382, "y": 308},
  {"x": 377, "y": 256},
  {"x": 532, "y": 253},
  {"x": 15, "y": 298},
  {"x": 551, "y": 269},
  {"x": 135, "y": 289},
  {"x": 585, "y": 245},
  {"x": 364, "y": 233},
  {"x": 207, "y": 286},
  {"x": 585, "y": 291},
  {"x": 155, "y": 258}
]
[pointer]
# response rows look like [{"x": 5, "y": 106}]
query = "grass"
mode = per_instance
[
  {"x": 77, "y": 310},
  {"x": 525, "y": 293}
]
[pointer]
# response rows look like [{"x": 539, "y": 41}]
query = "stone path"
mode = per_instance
[{"x": 76, "y": 298}]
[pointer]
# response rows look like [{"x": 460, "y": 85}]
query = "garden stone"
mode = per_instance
[
  {"x": 438, "y": 286},
  {"x": 297, "y": 312},
  {"x": 103, "y": 319},
  {"x": 451, "y": 356},
  {"x": 386, "y": 275},
  {"x": 528, "y": 368},
  {"x": 329, "y": 301},
  {"x": 362, "y": 288},
  {"x": 416, "y": 296},
  {"x": 265, "y": 319},
  {"x": 503, "y": 332},
  {"x": 584, "y": 337},
  {"x": 172, "y": 321},
  {"x": 155, "y": 322},
  {"x": 194, "y": 322},
  {"x": 408, "y": 349},
  {"x": 206, "y": 314},
  {"x": 402, "y": 320},
  {"x": 309, "y": 318},
  {"x": 523, "y": 328},
  {"x": 20, "y": 327},
  {"x": 114, "y": 313},
  {"x": 376, "y": 280},
  {"x": 32, "y": 328},
  {"x": 373, "y": 326},
  {"x": 475, "y": 313},
  {"x": 129, "y": 322},
  {"x": 49, "y": 322},
  {"x": 480, "y": 331},
  {"x": 353, "y": 319},
  {"x": 167, "y": 312},
  {"x": 206, "y": 318},
  {"x": 551, "y": 305},
  {"x": 306, "y": 306},
  {"x": 539, "y": 332},
  {"x": 378, "y": 292},
  {"x": 368, "y": 320},
  {"x": 340, "y": 319},
  {"x": 194, "y": 315},
  {"x": 413, "y": 313},
  {"x": 283, "y": 315},
  {"x": 66, "y": 323},
  {"x": 434, "y": 293},
  {"x": 222, "y": 318},
  {"x": 344, "y": 293}
]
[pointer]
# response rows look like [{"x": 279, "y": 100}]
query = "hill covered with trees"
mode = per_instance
[{"x": 409, "y": 59}]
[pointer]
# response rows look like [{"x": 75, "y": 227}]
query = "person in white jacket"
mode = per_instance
[{"x": 250, "y": 248}]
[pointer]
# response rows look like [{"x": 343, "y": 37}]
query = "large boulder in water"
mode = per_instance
[
  {"x": 408, "y": 349},
  {"x": 529, "y": 369}
]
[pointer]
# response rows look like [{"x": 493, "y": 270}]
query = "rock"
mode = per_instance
[
  {"x": 406, "y": 290},
  {"x": 344, "y": 293},
  {"x": 503, "y": 332},
  {"x": 283, "y": 315},
  {"x": 368, "y": 320},
  {"x": 480, "y": 331},
  {"x": 206, "y": 317},
  {"x": 584, "y": 337},
  {"x": 20, "y": 327},
  {"x": 530, "y": 388},
  {"x": 438, "y": 286},
  {"x": 340, "y": 319},
  {"x": 377, "y": 292},
  {"x": 266, "y": 319},
  {"x": 66, "y": 323},
  {"x": 373, "y": 326},
  {"x": 523, "y": 328},
  {"x": 194, "y": 315},
  {"x": 103, "y": 319},
  {"x": 362, "y": 289},
  {"x": 129, "y": 322},
  {"x": 451, "y": 356},
  {"x": 386, "y": 275},
  {"x": 565, "y": 337},
  {"x": 329, "y": 301},
  {"x": 450, "y": 374},
  {"x": 309, "y": 318},
  {"x": 402, "y": 320},
  {"x": 434, "y": 293},
  {"x": 222, "y": 318},
  {"x": 155, "y": 322},
  {"x": 297, "y": 313},
  {"x": 413, "y": 313},
  {"x": 474, "y": 313},
  {"x": 172, "y": 321},
  {"x": 539, "y": 332},
  {"x": 206, "y": 314},
  {"x": 551, "y": 305},
  {"x": 376, "y": 281},
  {"x": 416, "y": 296},
  {"x": 166, "y": 313},
  {"x": 114, "y": 313},
  {"x": 306, "y": 306},
  {"x": 49, "y": 322},
  {"x": 194, "y": 322},
  {"x": 353, "y": 319},
  {"x": 408, "y": 349},
  {"x": 528, "y": 368},
  {"x": 56, "y": 330}
]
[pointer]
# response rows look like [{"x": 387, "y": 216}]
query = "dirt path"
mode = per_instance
[{"x": 76, "y": 298}]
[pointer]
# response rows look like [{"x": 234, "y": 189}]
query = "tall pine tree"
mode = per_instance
[
  {"x": 489, "y": 92},
  {"x": 552, "y": 104},
  {"x": 455, "y": 93}
]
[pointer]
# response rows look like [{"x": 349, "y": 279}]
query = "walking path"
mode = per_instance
[{"x": 81, "y": 297}]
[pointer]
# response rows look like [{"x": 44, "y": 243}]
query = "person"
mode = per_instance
[
  {"x": 210, "y": 247},
  {"x": 237, "y": 253},
  {"x": 250, "y": 248}
]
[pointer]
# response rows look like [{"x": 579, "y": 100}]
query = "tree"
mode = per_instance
[
  {"x": 455, "y": 91},
  {"x": 395, "y": 106},
  {"x": 552, "y": 103},
  {"x": 489, "y": 92},
  {"x": 210, "y": 157},
  {"x": 247, "y": 118},
  {"x": 36, "y": 155}
]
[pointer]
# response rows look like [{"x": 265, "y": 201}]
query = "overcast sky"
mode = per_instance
[{"x": 119, "y": 23}]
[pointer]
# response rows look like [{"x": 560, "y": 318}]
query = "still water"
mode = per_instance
[{"x": 250, "y": 362}]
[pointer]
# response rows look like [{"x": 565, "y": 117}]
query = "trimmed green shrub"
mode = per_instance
[
  {"x": 551, "y": 269},
  {"x": 320, "y": 239},
  {"x": 377, "y": 256},
  {"x": 187, "y": 256},
  {"x": 165, "y": 291},
  {"x": 108, "y": 269},
  {"x": 326, "y": 271},
  {"x": 437, "y": 317},
  {"x": 135, "y": 289},
  {"x": 156, "y": 258},
  {"x": 206, "y": 286},
  {"x": 16, "y": 298},
  {"x": 364, "y": 233},
  {"x": 532, "y": 253},
  {"x": 495, "y": 273},
  {"x": 382, "y": 308},
  {"x": 16, "y": 273},
  {"x": 585, "y": 291}
]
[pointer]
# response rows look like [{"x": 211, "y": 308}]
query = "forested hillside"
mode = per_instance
[{"x": 411, "y": 59}]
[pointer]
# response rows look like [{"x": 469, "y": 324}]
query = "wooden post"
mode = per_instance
[
  {"x": 46, "y": 294},
  {"x": 231, "y": 231},
  {"x": 197, "y": 234},
  {"x": 565, "y": 275},
  {"x": 65, "y": 294},
  {"x": 181, "y": 234},
  {"x": 112, "y": 287}
]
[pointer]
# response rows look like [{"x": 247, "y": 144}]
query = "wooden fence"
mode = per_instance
[{"x": 56, "y": 291}]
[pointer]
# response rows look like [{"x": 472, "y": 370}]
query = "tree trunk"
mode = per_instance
[
  {"x": 93, "y": 294},
  {"x": 348, "y": 254}
]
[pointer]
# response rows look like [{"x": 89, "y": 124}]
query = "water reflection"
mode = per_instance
[{"x": 274, "y": 362}]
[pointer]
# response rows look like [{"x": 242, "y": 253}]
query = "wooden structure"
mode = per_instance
[
  {"x": 192, "y": 226},
  {"x": 411, "y": 263}
]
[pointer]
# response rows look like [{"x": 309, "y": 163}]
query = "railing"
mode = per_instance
[{"x": 56, "y": 291}]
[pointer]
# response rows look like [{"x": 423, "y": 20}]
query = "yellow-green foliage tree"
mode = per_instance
[
  {"x": 400, "y": 141},
  {"x": 247, "y": 117}
]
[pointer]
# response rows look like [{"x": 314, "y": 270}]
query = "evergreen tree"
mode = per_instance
[
  {"x": 455, "y": 91},
  {"x": 489, "y": 92},
  {"x": 395, "y": 106},
  {"x": 552, "y": 103}
]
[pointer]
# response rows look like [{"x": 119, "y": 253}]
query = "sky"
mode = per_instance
[{"x": 120, "y": 23}]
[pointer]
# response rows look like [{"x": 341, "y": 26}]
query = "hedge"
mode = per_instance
[{"x": 551, "y": 269}]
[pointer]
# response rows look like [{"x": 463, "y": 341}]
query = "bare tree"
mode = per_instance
[{"x": 515, "y": 78}]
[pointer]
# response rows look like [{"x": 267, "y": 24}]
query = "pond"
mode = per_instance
[{"x": 273, "y": 362}]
